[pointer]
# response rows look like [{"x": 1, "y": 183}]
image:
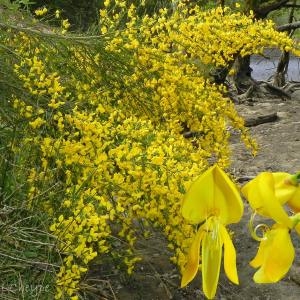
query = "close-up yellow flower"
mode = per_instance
[
  {"x": 213, "y": 199},
  {"x": 275, "y": 255},
  {"x": 261, "y": 194},
  {"x": 267, "y": 186},
  {"x": 267, "y": 193},
  {"x": 213, "y": 194}
]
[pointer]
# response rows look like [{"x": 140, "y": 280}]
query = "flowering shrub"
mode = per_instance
[{"x": 104, "y": 120}]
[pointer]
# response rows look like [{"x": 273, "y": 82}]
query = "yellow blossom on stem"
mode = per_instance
[
  {"x": 213, "y": 199},
  {"x": 260, "y": 192},
  {"x": 267, "y": 193},
  {"x": 40, "y": 12},
  {"x": 66, "y": 24},
  {"x": 57, "y": 13}
]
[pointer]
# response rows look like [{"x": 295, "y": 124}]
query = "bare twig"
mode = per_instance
[
  {"x": 38, "y": 263},
  {"x": 249, "y": 122},
  {"x": 289, "y": 26}
]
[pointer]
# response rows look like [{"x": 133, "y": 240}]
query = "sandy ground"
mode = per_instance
[{"x": 279, "y": 143}]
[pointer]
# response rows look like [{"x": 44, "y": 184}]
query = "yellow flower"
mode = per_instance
[
  {"x": 37, "y": 123},
  {"x": 57, "y": 13},
  {"x": 66, "y": 24},
  {"x": 267, "y": 192},
  {"x": 213, "y": 199},
  {"x": 40, "y": 12},
  {"x": 275, "y": 255},
  {"x": 260, "y": 192},
  {"x": 213, "y": 194}
]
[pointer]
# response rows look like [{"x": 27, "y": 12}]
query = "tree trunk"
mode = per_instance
[
  {"x": 242, "y": 78},
  {"x": 281, "y": 71},
  {"x": 282, "y": 67}
]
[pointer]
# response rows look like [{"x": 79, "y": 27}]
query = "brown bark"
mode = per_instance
[
  {"x": 282, "y": 67},
  {"x": 242, "y": 78},
  {"x": 262, "y": 10}
]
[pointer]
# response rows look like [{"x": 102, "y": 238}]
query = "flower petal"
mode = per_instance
[
  {"x": 261, "y": 195},
  {"x": 297, "y": 228},
  {"x": 229, "y": 256},
  {"x": 254, "y": 192},
  {"x": 283, "y": 190},
  {"x": 191, "y": 268},
  {"x": 231, "y": 206},
  {"x": 213, "y": 193},
  {"x": 294, "y": 202},
  {"x": 199, "y": 198},
  {"x": 275, "y": 256},
  {"x": 258, "y": 260},
  {"x": 211, "y": 261}
]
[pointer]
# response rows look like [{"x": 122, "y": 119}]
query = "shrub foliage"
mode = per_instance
[{"x": 99, "y": 124}]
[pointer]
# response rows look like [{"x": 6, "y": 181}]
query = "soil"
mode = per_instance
[{"x": 157, "y": 279}]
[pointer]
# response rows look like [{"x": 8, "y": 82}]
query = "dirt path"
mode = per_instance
[
  {"x": 279, "y": 143},
  {"x": 157, "y": 279}
]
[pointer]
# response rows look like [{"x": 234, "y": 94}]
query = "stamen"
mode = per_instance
[{"x": 253, "y": 231}]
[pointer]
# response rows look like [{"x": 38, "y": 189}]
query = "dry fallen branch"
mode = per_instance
[
  {"x": 276, "y": 90},
  {"x": 254, "y": 121}
]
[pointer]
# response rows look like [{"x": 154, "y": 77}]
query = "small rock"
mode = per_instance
[
  {"x": 296, "y": 95},
  {"x": 282, "y": 114},
  {"x": 294, "y": 275}
]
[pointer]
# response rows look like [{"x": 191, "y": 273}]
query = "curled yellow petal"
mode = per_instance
[
  {"x": 229, "y": 256},
  {"x": 274, "y": 257},
  {"x": 263, "y": 248},
  {"x": 192, "y": 264}
]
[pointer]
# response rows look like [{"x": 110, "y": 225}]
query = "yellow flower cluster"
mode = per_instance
[
  {"x": 111, "y": 167},
  {"x": 110, "y": 158},
  {"x": 178, "y": 50},
  {"x": 81, "y": 237},
  {"x": 41, "y": 11}
]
